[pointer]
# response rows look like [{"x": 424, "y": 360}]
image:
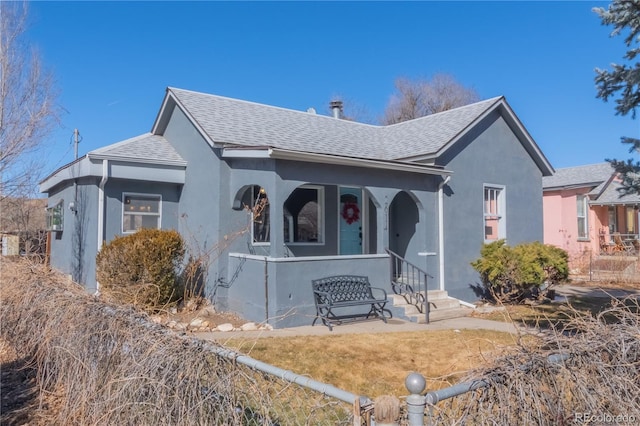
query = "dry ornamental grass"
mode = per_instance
[
  {"x": 103, "y": 364},
  {"x": 110, "y": 365}
]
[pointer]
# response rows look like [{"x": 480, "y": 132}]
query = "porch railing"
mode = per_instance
[
  {"x": 617, "y": 243},
  {"x": 410, "y": 282}
]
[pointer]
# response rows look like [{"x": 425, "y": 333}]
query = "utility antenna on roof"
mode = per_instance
[{"x": 76, "y": 140}]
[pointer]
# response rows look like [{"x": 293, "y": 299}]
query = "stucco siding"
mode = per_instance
[
  {"x": 201, "y": 204},
  {"x": 561, "y": 223},
  {"x": 278, "y": 291},
  {"x": 73, "y": 251},
  {"x": 114, "y": 190},
  {"x": 490, "y": 155}
]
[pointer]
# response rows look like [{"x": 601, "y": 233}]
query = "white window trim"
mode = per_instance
[
  {"x": 321, "y": 221},
  {"x": 585, "y": 206},
  {"x": 141, "y": 194},
  {"x": 502, "y": 211}
]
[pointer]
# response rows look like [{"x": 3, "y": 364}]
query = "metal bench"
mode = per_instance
[{"x": 346, "y": 291}]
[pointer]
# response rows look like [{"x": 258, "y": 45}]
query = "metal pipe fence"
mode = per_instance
[{"x": 420, "y": 406}]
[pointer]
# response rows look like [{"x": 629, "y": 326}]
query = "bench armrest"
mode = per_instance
[
  {"x": 379, "y": 290},
  {"x": 323, "y": 296}
]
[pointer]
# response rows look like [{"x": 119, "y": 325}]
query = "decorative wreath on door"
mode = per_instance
[{"x": 350, "y": 212}]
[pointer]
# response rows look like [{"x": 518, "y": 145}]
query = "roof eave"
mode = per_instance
[
  {"x": 281, "y": 154},
  {"x": 129, "y": 159},
  {"x": 590, "y": 185}
]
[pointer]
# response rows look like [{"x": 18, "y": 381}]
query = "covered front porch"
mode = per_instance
[
  {"x": 618, "y": 229},
  {"x": 304, "y": 230}
]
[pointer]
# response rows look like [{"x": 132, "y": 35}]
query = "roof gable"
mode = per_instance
[
  {"x": 230, "y": 122},
  {"x": 225, "y": 121}
]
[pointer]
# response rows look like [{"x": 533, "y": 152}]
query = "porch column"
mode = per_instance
[
  {"x": 383, "y": 220},
  {"x": 276, "y": 213},
  {"x": 382, "y": 200}
]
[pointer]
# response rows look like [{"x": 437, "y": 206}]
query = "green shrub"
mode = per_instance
[
  {"x": 141, "y": 269},
  {"x": 512, "y": 274}
]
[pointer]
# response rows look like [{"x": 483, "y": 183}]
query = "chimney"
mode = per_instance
[{"x": 336, "y": 108}]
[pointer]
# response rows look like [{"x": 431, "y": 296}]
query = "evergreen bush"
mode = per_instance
[
  {"x": 142, "y": 268},
  {"x": 513, "y": 274}
]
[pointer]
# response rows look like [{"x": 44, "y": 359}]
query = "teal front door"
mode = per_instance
[{"x": 350, "y": 221}]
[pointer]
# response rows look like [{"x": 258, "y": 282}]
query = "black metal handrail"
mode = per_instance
[{"x": 409, "y": 281}]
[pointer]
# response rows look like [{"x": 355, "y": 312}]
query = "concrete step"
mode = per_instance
[
  {"x": 437, "y": 295},
  {"x": 440, "y": 304},
  {"x": 431, "y": 294},
  {"x": 442, "y": 307}
]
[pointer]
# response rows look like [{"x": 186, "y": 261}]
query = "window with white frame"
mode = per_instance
[
  {"x": 583, "y": 220},
  {"x": 613, "y": 220},
  {"x": 494, "y": 219},
  {"x": 303, "y": 215},
  {"x": 140, "y": 211}
]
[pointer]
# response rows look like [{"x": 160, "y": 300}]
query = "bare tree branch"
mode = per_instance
[
  {"x": 417, "y": 98},
  {"x": 28, "y": 102}
]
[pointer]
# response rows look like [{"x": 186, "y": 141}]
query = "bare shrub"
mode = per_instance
[
  {"x": 596, "y": 374},
  {"x": 110, "y": 365}
]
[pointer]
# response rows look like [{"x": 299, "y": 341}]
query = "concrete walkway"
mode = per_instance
[
  {"x": 393, "y": 325},
  {"x": 396, "y": 325},
  {"x": 593, "y": 290}
]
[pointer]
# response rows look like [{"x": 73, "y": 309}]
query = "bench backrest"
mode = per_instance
[{"x": 343, "y": 288}]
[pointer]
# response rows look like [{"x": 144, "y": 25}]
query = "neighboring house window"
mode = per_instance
[
  {"x": 613, "y": 220},
  {"x": 583, "y": 222},
  {"x": 631, "y": 220},
  {"x": 303, "y": 212},
  {"x": 55, "y": 217},
  {"x": 140, "y": 211},
  {"x": 494, "y": 219}
]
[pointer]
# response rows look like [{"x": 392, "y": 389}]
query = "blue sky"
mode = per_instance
[{"x": 113, "y": 61}]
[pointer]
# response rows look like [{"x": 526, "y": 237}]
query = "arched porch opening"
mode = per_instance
[
  {"x": 404, "y": 217},
  {"x": 253, "y": 198}
]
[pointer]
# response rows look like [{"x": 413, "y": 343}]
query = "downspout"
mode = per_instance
[
  {"x": 441, "y": 231},
  {"x": 101, "y": 203}
]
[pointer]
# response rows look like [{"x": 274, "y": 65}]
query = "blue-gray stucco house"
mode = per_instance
[{"x": 339, "y": 194}]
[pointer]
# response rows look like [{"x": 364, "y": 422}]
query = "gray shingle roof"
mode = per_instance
[
  {"x": 429, "y": 134},
  {"x": 599, "y": 177},
  {"x": 580, "y": 176},
  {"x": 611, "y": 195},
  {"x": 146, "y": 147},
  {"x": 237, "y": 122}
]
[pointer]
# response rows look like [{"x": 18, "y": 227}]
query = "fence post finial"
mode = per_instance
[{"x": 416, "y": 402}]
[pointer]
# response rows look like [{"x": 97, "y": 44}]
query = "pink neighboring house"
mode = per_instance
[{"x": 584, "y": 212}]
